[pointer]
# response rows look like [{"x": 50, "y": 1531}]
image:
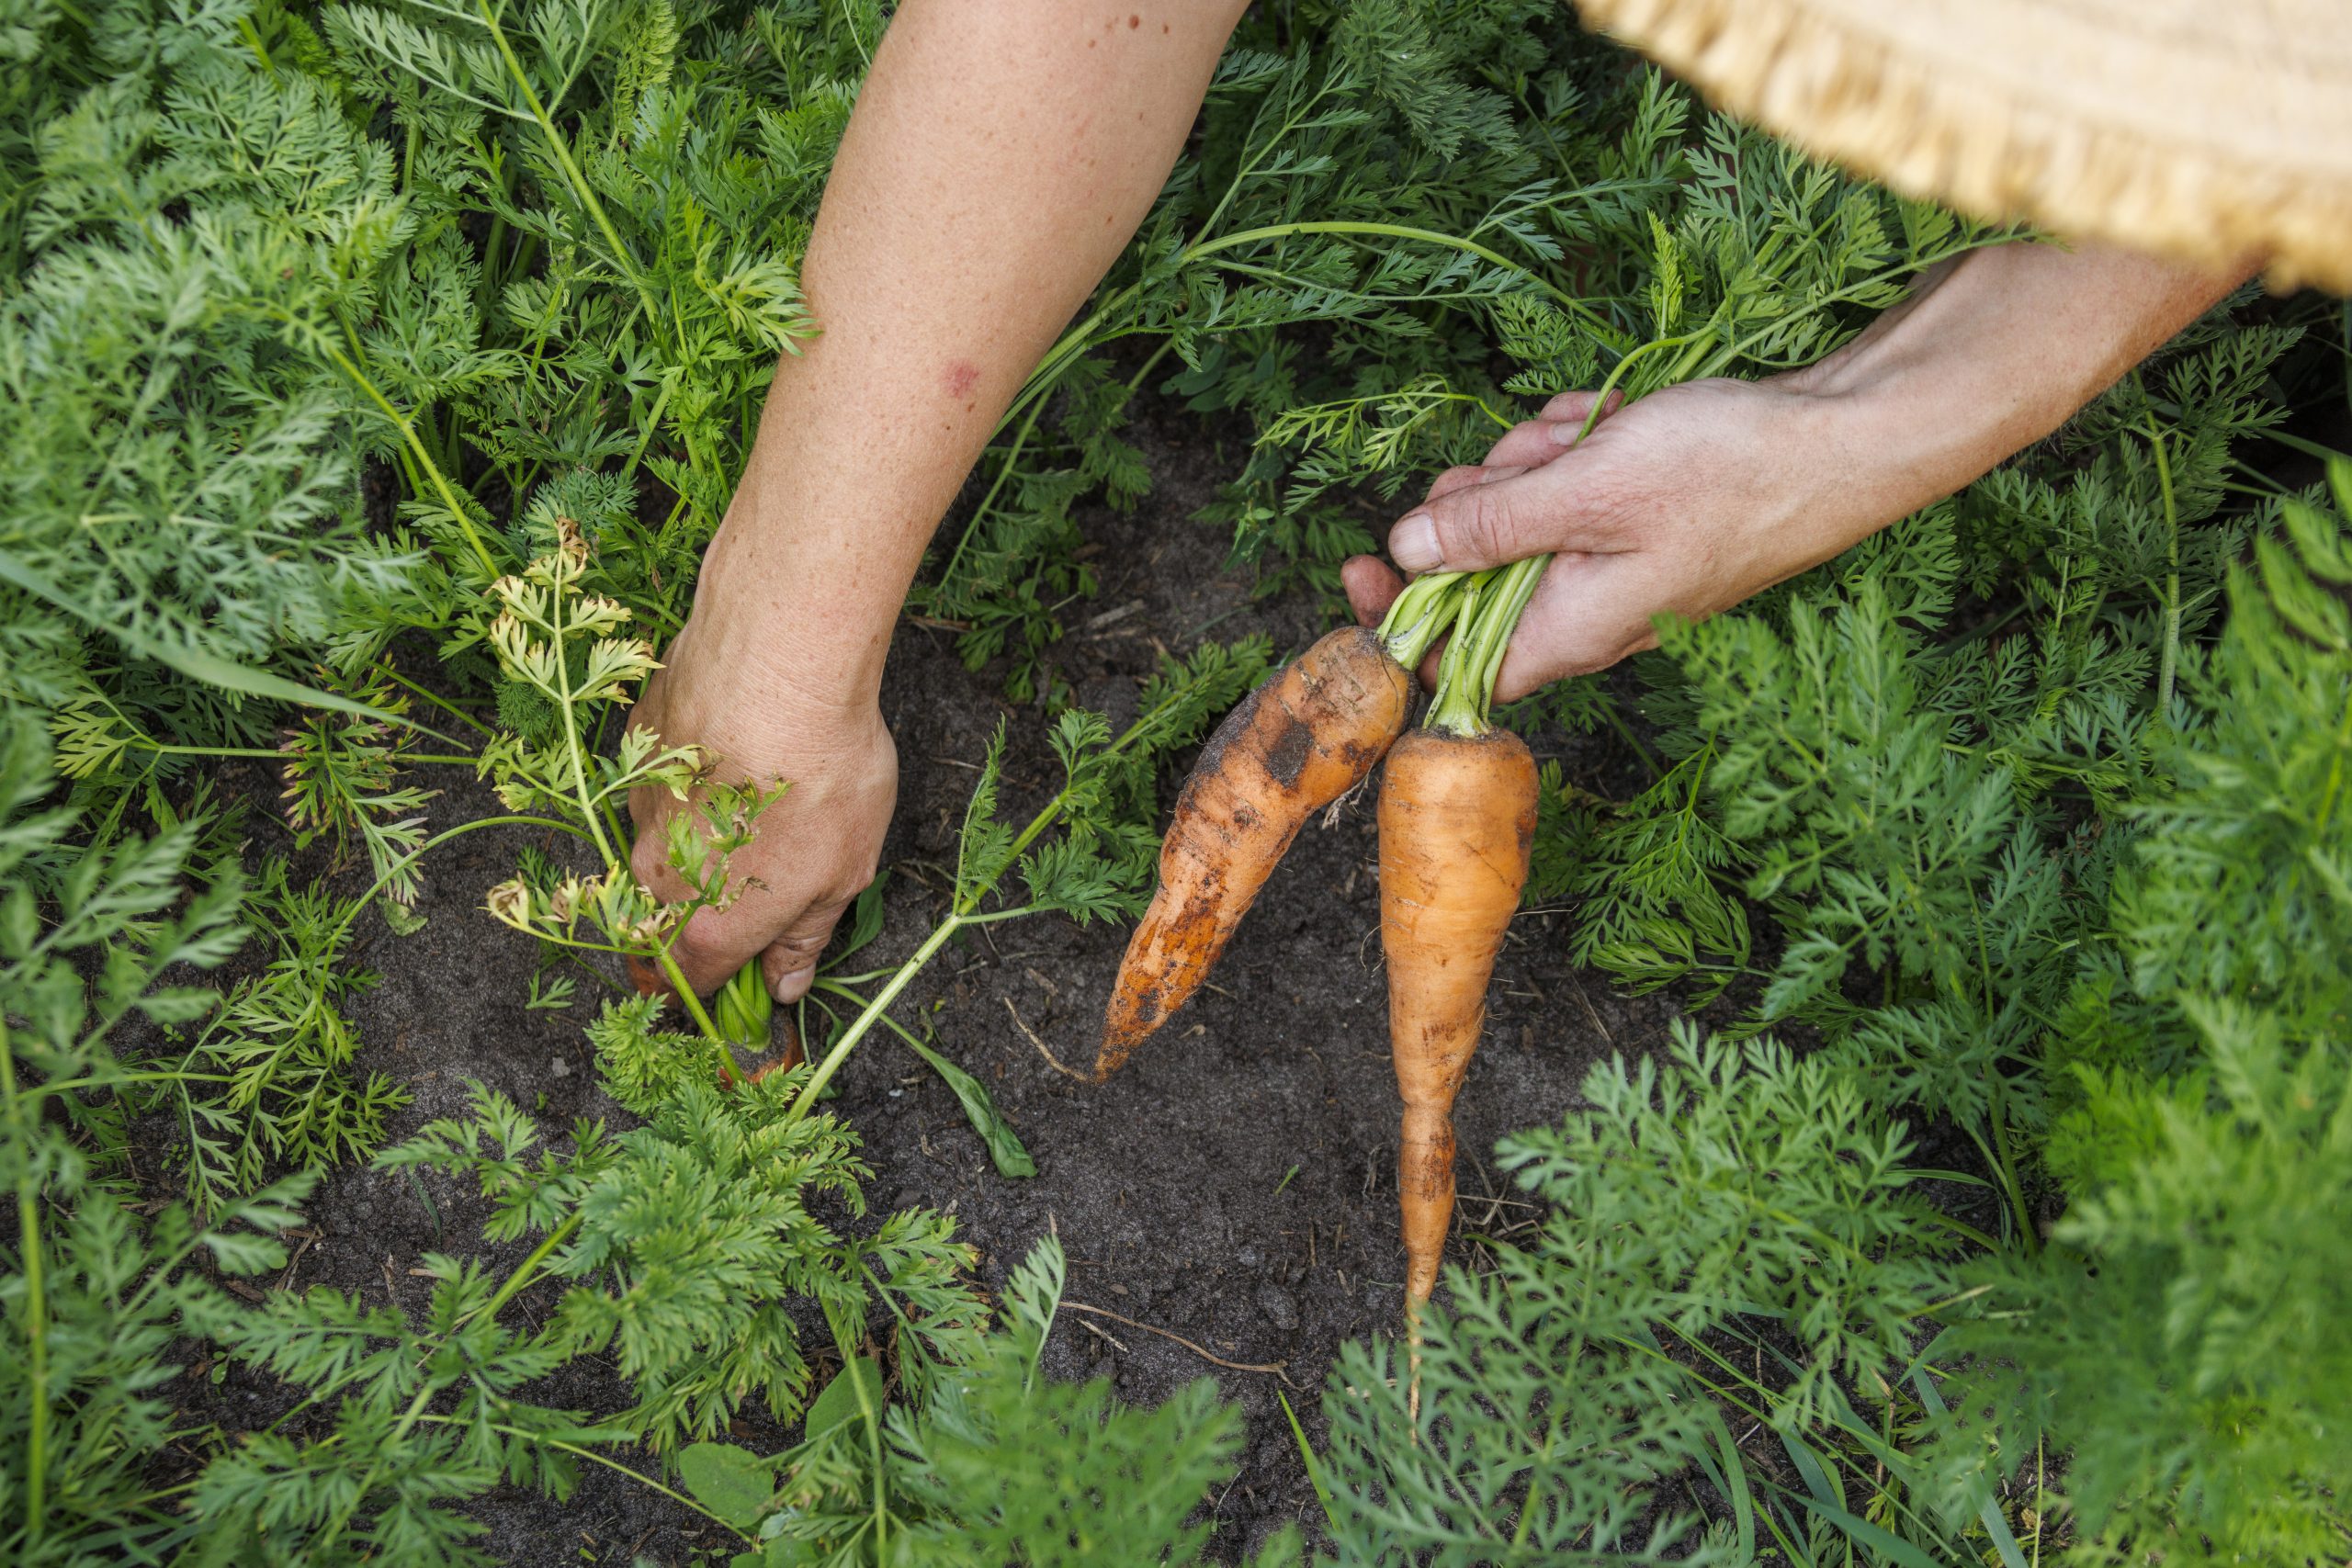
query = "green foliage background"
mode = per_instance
[{"x": 2020, "y": 826}]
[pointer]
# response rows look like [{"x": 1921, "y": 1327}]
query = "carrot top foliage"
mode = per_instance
[{"x": 377, "y": 373}]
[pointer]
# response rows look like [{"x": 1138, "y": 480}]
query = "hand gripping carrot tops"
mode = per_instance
[
  {"x": 1296, "y": 744},
  {"x": 1457, "y": 820}
]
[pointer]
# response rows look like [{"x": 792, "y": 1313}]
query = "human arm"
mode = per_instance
[
  {"x": 999, "y": 157},
  {"x": 1701, "y": 494}
]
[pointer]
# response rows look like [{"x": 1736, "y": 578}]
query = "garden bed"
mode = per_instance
[
  {"x": 1235, "y": 1186},
  {"x": 2018, "y": 826}
]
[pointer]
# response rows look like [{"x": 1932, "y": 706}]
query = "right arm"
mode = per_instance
[{"x": 1000, "y": 158}]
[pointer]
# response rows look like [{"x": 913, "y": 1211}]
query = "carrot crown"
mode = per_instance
[
  {"x": 1491, "y": 603},
  {"x": 1480, "y": 610},
  {"x": 1421, "y": 615}
]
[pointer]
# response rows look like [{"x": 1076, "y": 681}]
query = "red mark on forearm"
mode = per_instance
[{"x": 960, "y": 377}]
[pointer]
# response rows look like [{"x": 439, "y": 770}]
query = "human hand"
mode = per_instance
[
  {"x": 1687, "y": 502},
  {"x": 958, "y": 235},
  {"x": 1700, "y": 494},
  {"x": 816, "y": 849}
]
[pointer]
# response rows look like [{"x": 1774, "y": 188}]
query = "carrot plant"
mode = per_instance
[
  {"x": 397, "y": 1423},
  {"x": 377, "y": 371},
  {"x": 563, "y": 646},
  {"x": 996, "y": 1465}
]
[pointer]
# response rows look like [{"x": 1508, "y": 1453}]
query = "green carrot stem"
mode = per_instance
[
  {"x": 1490, "y": 611},
  {"x": 434, "y": 697},
  {"x": 1491, "y": 638},
  {"x": 693, "y": 1004},
  {"x": 858, "y": 1031},
  {"x": 1422, "y": 614},
  {"x": 1455, "y": 709},
  {"x": 361, "y": 903}
]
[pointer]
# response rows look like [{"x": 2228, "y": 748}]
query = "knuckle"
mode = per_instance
[
  {"x": 1454, "y": 479},
  {"x": 1609, "y": 497},
  {"x": 804, "y": 942},
  {"x": 1477, "y": 526},
  {"x": 645, "y": 857}
]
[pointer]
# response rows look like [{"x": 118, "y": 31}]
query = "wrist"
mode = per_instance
[
  {"x": 782, "y": 605},
  {"x": 775, "y": 657},
  {"x": 1842, "y": 463},
  {"x": 1994, "y": 351},
  {"x": 1896, "y": 432}
]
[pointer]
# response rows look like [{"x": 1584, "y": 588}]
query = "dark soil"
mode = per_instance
[{"x": 1234, "y": 1185}]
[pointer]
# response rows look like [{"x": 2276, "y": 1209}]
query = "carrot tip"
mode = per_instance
[{"x": 1118, "y": 1044}]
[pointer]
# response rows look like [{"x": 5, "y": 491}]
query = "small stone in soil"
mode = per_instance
[{"x": 1280, "y": 1307}]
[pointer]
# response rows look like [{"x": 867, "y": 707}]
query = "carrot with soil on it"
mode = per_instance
[
  {"x": 1297, "y": 743},
  {"x": 1458, "y": 821}
]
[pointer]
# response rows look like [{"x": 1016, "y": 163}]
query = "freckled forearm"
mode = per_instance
[{"x": 1000, "y": 158}]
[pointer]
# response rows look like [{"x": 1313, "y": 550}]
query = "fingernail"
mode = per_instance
[
  {"x": 1566, "y": 433},
  {"x": 1412, "y": 544}
]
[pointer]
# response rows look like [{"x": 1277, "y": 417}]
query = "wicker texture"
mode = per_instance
[{"x": 2214, "y": 130}]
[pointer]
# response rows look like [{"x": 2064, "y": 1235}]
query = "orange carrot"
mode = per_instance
[
  {"x": 1296, "y": 744},
  {"x": 1457, "y": 818},
  {"x": 1457, "y": 823}
]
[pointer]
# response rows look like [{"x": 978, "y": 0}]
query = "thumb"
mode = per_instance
[
  {"x": 1493, "y": 523},
  {"x": 789, "y": 963}
]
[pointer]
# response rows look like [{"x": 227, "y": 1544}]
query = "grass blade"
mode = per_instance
[{"x": 1314, "y": 1471}]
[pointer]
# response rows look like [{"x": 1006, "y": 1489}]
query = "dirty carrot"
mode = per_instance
[
  {"x": 1296, "y": 744},
  {"x": 1457, "y": 815},
  {"x": 1457, "y": 820}
]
